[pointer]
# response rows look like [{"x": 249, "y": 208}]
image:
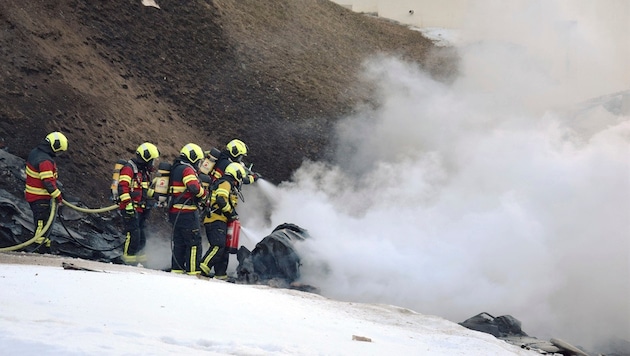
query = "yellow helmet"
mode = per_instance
[
  {"x": 147, "y": 152},
  {"x": 236, "y": 170},
  {"x": 58, "y": 141},
  {"x": 237, "y": 149},
  {"x": 192, "y": 152}
]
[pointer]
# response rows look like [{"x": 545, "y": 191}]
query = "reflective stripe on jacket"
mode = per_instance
[
  {"x": 185, "y": 188},
  {"x": 223, "y": 201},
  {"x": 132, "y": 186},
  {"x": 41, "y": 176}
]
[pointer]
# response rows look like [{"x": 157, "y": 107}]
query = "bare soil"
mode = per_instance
[{"x": 112, "y": 74}]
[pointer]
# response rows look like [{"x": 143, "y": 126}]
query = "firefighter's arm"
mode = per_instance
[
  {"x": 251, "y": 176},
  {"x": 124, "y": 187},
  {"x": 48, "y": 180},
  {"x": 192, "y": 184},
  {"x": 223, "y": 197}
]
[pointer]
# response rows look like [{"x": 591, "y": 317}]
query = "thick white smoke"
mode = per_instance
[{"x": 497, "y": 193}]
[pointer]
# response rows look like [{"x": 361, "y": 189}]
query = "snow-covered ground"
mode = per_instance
[{"x": 47, "y": 310}]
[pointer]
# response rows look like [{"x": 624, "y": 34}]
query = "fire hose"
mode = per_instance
[
  {"x": 88, "y": 210},
  {"x": 38, "y": 232}
]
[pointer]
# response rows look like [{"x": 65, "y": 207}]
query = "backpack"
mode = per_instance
[
  {"x": 207, "y": 165},
  {"x": 161, "y": 184}
]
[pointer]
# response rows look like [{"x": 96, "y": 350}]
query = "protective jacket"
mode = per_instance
[
  {"x": 41, "y": 175},
  {"x": 133, "y": 186},
  {"x": 185, "y": 188},
  {"x": 223, "y": 201},
  {"x": 222, "y": 209}
]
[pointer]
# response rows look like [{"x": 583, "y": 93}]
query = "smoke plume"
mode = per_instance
[{"x": 506, "y": 191}]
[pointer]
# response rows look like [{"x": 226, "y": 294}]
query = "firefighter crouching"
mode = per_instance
[
  {"x": 41, "y": 181},
  {"x": 222, "y": 210},
  {"x": 133, "y": 192},
  {"x": 186, "y": 192}
]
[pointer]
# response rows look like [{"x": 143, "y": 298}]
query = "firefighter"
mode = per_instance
[
  {"x": 41, "y": 182},
  {"x": 234, "y": 151},
  {"x": 186, "y": 194},
  {"x": 134, "y": 196},
  {"x": 222, "y": 208}
]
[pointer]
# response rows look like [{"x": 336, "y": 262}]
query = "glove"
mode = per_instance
[
  {"x": 233, "y": 216},
  {"x": 256, "y": 176},
  {"x": 130, "y": 210},
  {"x": 59, "y": 199}
]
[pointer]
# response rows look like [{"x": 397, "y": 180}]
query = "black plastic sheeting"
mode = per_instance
[
  {"x": 273, "y": 259},
  {"x": 75, "y": 234},
  {"x": 501, "y": 326}
]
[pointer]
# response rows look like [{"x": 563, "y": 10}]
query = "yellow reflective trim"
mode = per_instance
[
  {"x": 129, "y": 259},
  {"x": 40, "y": 226},
  {"x": 46, "y": 175},
  {"x": 214, "y": 217},
  {"x": 204, "y": 268},
  {"x": 36, "y": 191},
  {"x": 55, "y": 193},
  {"x": 185, "y": 207},
  {"x": 208, "y": 258},
  {"x": 32, "y": 173},
  {"x": 124, "y": 178},
  {"x": 127, "y": 242},
  {"x": 178, "y": 271},
  {"x": 189, "y": 178},
  {"x": 193, "y": 259},
  {"x": 125, "y": 197},
  {"x": 175, "y": 189}
]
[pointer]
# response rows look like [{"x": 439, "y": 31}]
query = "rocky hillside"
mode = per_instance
[{"x": 112, "y": 74}]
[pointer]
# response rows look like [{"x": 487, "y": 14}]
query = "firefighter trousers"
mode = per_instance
[
  {"x": 136, "y": 237},
  {"x": 186, "y": 243},
  {"x": 217, "y": 255},
  {"x": 41, "y": 213}
]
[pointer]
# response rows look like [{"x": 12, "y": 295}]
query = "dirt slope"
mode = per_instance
[{"x": 113, "y": 73}]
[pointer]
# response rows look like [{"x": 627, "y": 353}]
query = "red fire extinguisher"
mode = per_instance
[{"x": 231, "y": 238}]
